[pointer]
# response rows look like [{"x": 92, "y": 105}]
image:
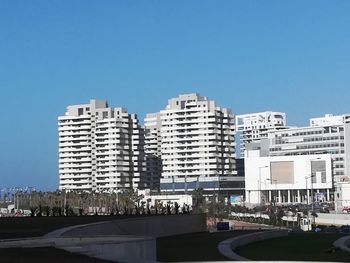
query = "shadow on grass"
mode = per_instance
[
  {"x": 194, "y": 246},
  {"x": 43, "y": 255},
  {"x": 296, "y": 246}
]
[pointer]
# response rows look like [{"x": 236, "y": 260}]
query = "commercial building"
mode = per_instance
[
  {"x": 195, "y": 139},
  {"x": 100, "y": 149},
  {"x": 287, "y": 179},
  {"x": 253, "y": 127},
  {"x": 326, "y": 136}
]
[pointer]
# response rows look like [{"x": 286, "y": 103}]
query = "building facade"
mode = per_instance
[
  {"x": 100, "y": 149},
  {"x": 153, "y": 153},
  {"x": 328, "y": 135},
  {"x": 197, "y": 146},
  {"x": 312, "y": 140},
  {"x": 253, "y": 127},
  {"x": 288, "y": 179}
]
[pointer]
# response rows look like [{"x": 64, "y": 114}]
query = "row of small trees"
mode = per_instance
[
  {"x": 216, "y": 206},
  {"x": 275, "y": 214},
  {"x": 61, "y": 203}
]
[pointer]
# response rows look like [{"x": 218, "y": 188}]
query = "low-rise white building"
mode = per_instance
[
  {"x": 287, "y": 179},
  {"x": 342, "y": 200},
  {"x": 171, "y": 199}
]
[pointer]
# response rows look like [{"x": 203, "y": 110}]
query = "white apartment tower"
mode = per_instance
[
  {"x": 153, "y": 142},
  {"x": 253, "y": 127},
  {"x": 195, "y": 139},
  {"x": 100, "y": 148}
]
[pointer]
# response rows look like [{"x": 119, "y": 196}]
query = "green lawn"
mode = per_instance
[
  {"x": 43, "y": 255},
  {"x": 296, "y": 246},
  {"x": 194, "y": 246}
]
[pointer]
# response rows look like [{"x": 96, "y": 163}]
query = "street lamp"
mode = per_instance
[
  {"x": 312, "y": 190},
  {"x": 275, "y": 182},
  {"x": 261, "y": 167}
]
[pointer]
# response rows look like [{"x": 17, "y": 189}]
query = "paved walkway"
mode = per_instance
[
  {"x": 241, "y": 225},
  {"x": 343, "y": 243}
]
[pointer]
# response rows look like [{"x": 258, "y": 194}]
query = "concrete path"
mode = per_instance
[
  {"x": 228, "y": 246},
  {"x": 343, "y": 243}
]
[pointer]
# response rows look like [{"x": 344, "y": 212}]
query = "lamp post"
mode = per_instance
[
  {"x": 312, "y": 189},
  {"x": 261, "y": 167},
  {"x": 275, "y": 182}
]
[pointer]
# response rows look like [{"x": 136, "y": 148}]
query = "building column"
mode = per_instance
[
  {"x": 299, "y": 200},
  {"x": 288, "y": 198},
  {"x": 270, "y": 197},
  {"x": 308, "y": 196},
  {"x": 279, "y": 196},
  {"x": 327, "y": 195}
]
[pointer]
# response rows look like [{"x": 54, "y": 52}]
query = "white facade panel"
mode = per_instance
[{"x": 258, "y": 177}]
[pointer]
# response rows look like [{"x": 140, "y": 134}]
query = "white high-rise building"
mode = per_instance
[
  {"x": 253, "y": 127},
  {"x": 153, "y": 153},
  {"x": 100, "y": 148},
  {"x": 195, "y": 139}
]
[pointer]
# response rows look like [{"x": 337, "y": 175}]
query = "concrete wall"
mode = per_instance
[
  {"x": 138, "y": 250},
  {"x": 326, "y": 219},
  {"x": 132, "y": 239},
  {"x": 112, "y": 248},
  {"x": 332, "y": 219},
  {"x": 154, "y": 226}
]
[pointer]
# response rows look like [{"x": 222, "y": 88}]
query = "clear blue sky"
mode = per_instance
[{"x": 291, "y": 56}]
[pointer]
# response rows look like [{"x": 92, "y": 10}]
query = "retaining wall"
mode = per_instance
[
  {"x": 123, "y": 240},
  {"x": 332, "y": 219},
  {"x": 153, "y": 226}
]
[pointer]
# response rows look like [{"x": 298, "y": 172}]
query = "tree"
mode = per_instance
[
  {"x": 128, "y": 199},
  {"x": 176, "y": 207},
  {"x": 47, "y": 210},
  {"x": 33, "y": 210},
  {"x": 279, "y": 215},
  {"x": 198, "y": 201}
]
